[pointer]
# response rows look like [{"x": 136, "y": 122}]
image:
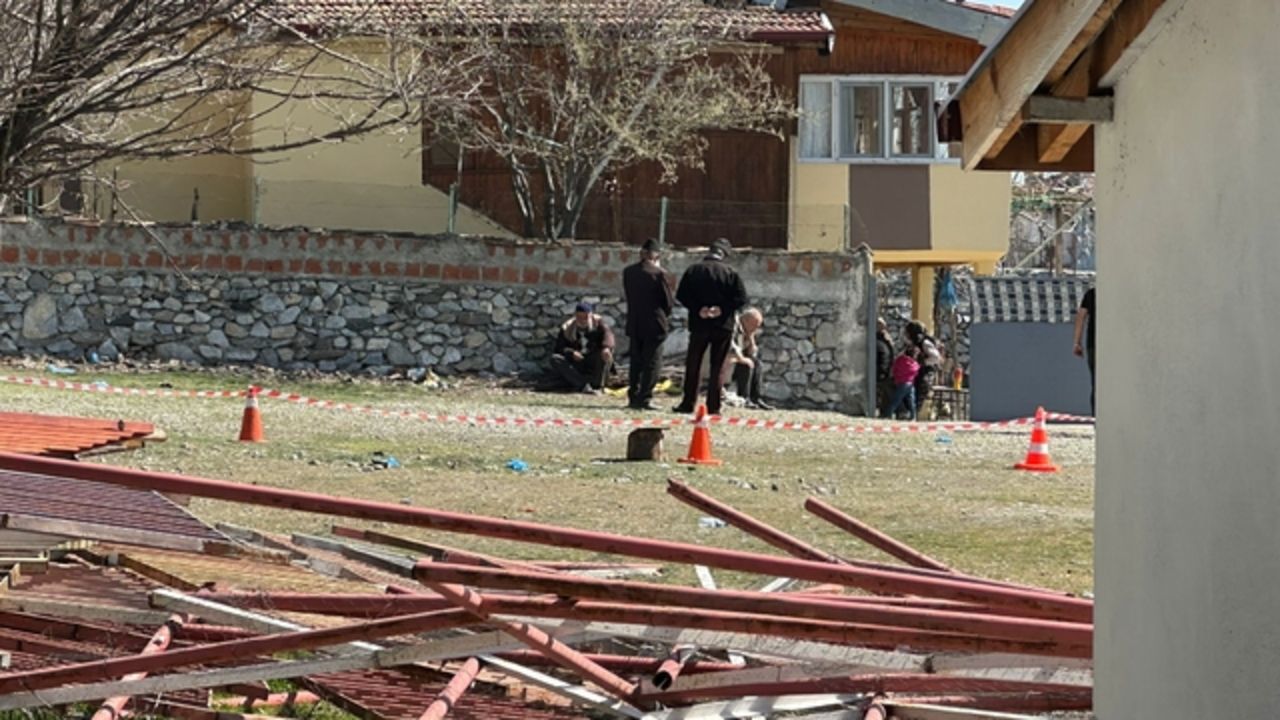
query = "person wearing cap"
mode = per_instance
[
  {"x": 713, "y": 293},
  {"x": 649, "y": 304},
  {"x": 583, "y": 351}
]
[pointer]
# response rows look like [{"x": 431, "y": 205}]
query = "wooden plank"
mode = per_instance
[
  {"x": 855, "y": 659},
  {"x": 753, "y": 707},
  {"x": 1023, "y": 153},
  {"x": 1068, "y": 111},
  {"x": 386, "y": 562},
  {"x": 81, "y": 611},
  {"x": 1010, "y": 72},
  {"x": 906, "y": 711},
  {"x": 1132, "y": 29},
  {"x": 107, "y": 533}
]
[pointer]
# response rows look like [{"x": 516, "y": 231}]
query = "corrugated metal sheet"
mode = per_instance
[
  {"x": 390, "y": 695},
  {"x": 66, "y": 500},
  {"x": 66, "y": 436}
]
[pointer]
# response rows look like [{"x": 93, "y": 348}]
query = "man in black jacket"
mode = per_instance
[
  {"x": 649, "y": 304},
  {"x": 713, "y": 294},
  {"x": 583, "y": 352}
]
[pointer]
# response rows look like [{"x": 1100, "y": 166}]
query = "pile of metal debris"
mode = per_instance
[{"x": 115, "y": 598}]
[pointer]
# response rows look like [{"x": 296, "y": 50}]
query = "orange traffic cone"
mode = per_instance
[
  {"x": 700, "y": 447},
  {"x": 1038, "y": 459},
  {"x": 251, "y": 424}
]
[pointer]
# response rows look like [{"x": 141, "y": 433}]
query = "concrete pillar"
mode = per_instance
[{"x": 922, "y": 294}]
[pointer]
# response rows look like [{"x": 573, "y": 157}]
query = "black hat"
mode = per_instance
[
  {"x": 721, "y": 246},
  {"x": 584, "y": 307},
  {"x": 652, "y": 245}
]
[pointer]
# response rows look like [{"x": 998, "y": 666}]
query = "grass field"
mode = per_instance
[{"x": 953, "y": 496}]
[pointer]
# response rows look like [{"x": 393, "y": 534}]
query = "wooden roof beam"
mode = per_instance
[{"x": 1009, "y": 73}]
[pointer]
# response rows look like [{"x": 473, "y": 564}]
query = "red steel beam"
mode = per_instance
[
  {"x": 284, "y": 699},
  {"x": 876, "y": 711},
  {"x": 875, "y": 636},
  {"x": 874, "y": 537},
  {"x": 344, "y": 604},
  {"x": 111, "y": 708},
  {"x": 671, "y": 668},
  {"x": 110, "y": 669},
  {"x": 624, "y": 663},
  {"x": 880, "y": 581},
  {"x": 814, "y": 607},
  {"x": 861, "y": 684},
  {"x": 538, "y": 640},
  {"x": 753, "y": 527},
  {"x": 457, "y": 687}
]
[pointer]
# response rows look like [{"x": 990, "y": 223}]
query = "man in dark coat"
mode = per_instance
[
  {"x": 649, "y": 304},
  {"x": 713, "y": 293},
  {"x": 583, "y": 351}
]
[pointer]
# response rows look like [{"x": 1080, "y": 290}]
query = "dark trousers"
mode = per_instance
[
  {"x": 903, "y": 395},
  {"x": 718, "y": 341},
  {"x": 1091, "y": 354},
  {"x": 748, "y": 380},
  {"x": 646, "y": 363},
  {"x": 591, "y": 370}
]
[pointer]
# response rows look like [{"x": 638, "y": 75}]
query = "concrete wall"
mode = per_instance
[
  {"x": 1188, "y": 399},
  {"x": 1015, "y": 367},
  {"x": 370, "y": 303}
]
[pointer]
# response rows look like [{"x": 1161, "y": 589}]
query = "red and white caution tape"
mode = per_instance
[{"x": 536, "y": 422}]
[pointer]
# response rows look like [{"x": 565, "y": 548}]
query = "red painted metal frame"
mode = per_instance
[
  {"x": 753, "y": 527},
  {"x": 875, "y": 636},
  {"x": 538, "y": 640},
  {"x": 452, "y": 692},
  {"x": 873, "y": 537},
  {"x": 673, "y": 666},
  {"x": 760, "y": 603},
  {"x": 884, "y": 581},
  {"x": 636, "y": 664},
  {"x": 112, "y": 707},
  {"x": 1031, "y": 702},
  {"x": 876, "y": 711},
  {"x": 862, "y": 684},
  {"x": 102, "y": 670}
]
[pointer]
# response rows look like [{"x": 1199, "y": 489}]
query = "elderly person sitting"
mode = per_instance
[
  {"x": 744, "y": 358},
  {"x": 583, "y": 353}
]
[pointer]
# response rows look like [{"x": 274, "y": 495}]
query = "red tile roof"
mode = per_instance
[
  {"x": 760, "y": 23},
  {"x": 66, "y": 436}
]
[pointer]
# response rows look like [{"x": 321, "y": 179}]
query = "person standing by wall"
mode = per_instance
[
  {"x": 884, "y": 365},
  {"x": 649, "y": 304},
  {"x": 713, "y": 293},
  {"x": 1085, "y": 317},
  {"x": 905, "y": 370},
  {"x": 929, "y": 356}
]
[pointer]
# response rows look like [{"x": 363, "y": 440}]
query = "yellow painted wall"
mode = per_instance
[
  {"x": 371, "y": 182},
  {"x": 819, "y": 195},
  {"x": 162, "y": 190},
  {"x": 969, "y": 211}
]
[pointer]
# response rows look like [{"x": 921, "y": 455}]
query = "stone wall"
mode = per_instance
[{"x": 360, "y": 303}]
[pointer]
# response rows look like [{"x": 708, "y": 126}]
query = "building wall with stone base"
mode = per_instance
[{"x": 363, "y": 303}]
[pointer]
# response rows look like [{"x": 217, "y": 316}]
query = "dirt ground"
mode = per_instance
[{"x": 952, "y": 495}]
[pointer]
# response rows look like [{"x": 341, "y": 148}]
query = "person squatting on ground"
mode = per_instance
[
  {"x": 905, "y": 371},
  {"x": 583, "y": 352},
  {"x": 713, "y": 293},
  {"x": 649, "y": 304},
  {"x": 884, "y": 367},
  {"x": 1086, "y": 316},
  {"x": 744, "y": 358},
  {"x": 929, "y": 356}
]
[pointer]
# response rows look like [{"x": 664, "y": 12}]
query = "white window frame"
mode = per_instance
[{"x": 939, "y": 89}]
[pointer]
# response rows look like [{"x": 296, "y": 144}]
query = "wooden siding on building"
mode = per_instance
[{"x": 744, "y": 190}]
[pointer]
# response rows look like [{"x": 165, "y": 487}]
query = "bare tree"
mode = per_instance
[
  {"x": 83, "y": 82},
  {"x": 576, "y": 89}
]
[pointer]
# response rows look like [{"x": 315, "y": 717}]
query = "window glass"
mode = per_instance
[
  {"x": 912, "y": 120},
  {"x": 815, "y": 120},
  {"x": 861, "y": 120}
]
